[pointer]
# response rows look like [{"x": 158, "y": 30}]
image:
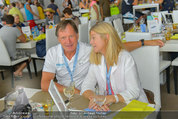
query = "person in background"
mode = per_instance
[
  {"x": 51, "y": 19},
  {"x": 22, "y": 10},
  {"x": 5, "y": 10},
  {"x": 3, "y": 21},
  {"x": 104, "y": 8},
  {"x": 167, "y": 5},
  {"x": 119, "y": 5},
  {"x": 74, "y": 3},
  {"x": 29, "y": 13},
  {"x": 13, "y": 10},
  {"x": 69, "y": 16},
  {"x": 84, "y": 4},
  {"x": 67, "y": 4},
  {"x": 127, "y": 7},
  {"x": 17, "y": 22},
  {"x": 112, "y": 68},
  {"x": 1, "y": 7},
  {"x": 40, "y": 9},
  {"x": 17, "y": 5},
  {"x": 95, "y": 11},
  {"x": 54, "y": 7},
  {"x": 55, "y": 66},
  {"x": 9, "y": 35},
  {"x": 35, "y": 10}
]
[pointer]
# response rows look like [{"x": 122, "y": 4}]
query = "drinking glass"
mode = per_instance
[
  {"x": 100, "y": 99},
  {"x": 69, "y": 91}
]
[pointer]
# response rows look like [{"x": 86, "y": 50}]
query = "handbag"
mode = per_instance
[
  {"x": 114, "y": 10},
  {"x": 41, "y": 48}
]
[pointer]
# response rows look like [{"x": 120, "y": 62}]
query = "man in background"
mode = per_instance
[
  {"x": 54, "y": 7},
  {"x": 51, "y": 18},
  {"x": 9, "y": 35}
]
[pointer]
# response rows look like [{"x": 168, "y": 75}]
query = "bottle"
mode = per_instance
[{"x": 33, "y": 32}]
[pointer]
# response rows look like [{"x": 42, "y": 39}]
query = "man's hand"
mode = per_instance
[
  {"x": 156, "y": 42},
  {"x": 77, "y": 91}
]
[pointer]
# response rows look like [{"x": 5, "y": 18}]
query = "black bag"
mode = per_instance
[{"x": 41, "y": 48}]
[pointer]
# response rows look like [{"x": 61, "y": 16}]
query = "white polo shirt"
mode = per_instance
[{"x": 54, "y": 63}]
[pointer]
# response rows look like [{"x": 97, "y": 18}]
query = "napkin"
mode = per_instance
[{"x": 135, "y": 110}]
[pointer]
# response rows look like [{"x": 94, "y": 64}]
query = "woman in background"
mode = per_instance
[
  {"x": 17, "y": 22},
  {"x": 95, "y": 11},
  {"x": 40, "y": 9},
  {"x": 67, "y": 4}
]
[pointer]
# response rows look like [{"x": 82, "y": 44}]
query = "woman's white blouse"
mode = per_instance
[{"x": 124, "y": 78}]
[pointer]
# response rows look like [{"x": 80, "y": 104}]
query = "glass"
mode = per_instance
[
  {"x": 100, "y": 99},
  {"x": 167, "y": 36},
  {"x": 175, "y": 25},
  {"x": 47, "y": 106},
  {"x": 31, "y": 37},
  {"x": 69, "y": 91}
]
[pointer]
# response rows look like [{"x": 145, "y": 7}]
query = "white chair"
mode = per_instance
[
  {"x": 34, "y": 57},
  {"x": 164, "y": 65},
  {"x": 175, "y": 17},
  {"x": 118, "y": 25},
  {"x": 40, "y": 21},
  {"x": 83, "y": 20},
  {"x": 108, "y": 19},
  {"x": 6, "y": 62},
  {"x": 51, "y": 38},
  {"x": 136, "y": 36},
  {"x": 175, "y": 65},
  {"x": 83, "y": 33},
  {"x": 147, "y": 61},
  {"x": 90, "y": 24},
  {"x": 117, "y": 16},
  {"x": 110, "y": 22}
]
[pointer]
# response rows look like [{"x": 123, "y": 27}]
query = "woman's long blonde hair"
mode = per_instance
[{"x": 113, "y": 47}]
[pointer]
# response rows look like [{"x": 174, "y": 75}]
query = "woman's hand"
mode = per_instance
[
  {"x": 109, "y": 100},
  {"x": 93, "y": 105}
]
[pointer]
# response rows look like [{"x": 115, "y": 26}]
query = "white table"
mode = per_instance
[
  {"x": 30, "y": 92},
  {"x": 28, "y": 45},
  {"x": 170, "y": 46}
]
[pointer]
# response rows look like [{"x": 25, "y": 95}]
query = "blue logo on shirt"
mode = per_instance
[{"x": 59, "y": 65}]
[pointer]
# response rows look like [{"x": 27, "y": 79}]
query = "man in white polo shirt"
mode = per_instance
[{"x": 69, "y": 60}]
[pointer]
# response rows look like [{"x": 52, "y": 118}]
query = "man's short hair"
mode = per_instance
[
  {"x": 4, "y": 18},
  {"x": 9, "y": 19},
  {"x": 63, "y": 24},
  {"x": 13, "y": 4},
  {"x": 52, "y": 1},
  {"x": 68, "y": 11}
]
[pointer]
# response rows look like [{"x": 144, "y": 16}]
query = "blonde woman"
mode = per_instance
[{"x": 112, "y": 68}]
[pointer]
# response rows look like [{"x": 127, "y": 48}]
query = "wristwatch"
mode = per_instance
[{"x": 142, "y": 41}]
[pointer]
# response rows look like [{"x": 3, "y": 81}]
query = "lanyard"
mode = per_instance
[
  {"x": 108, "y": 80},
  {"x": 75, "y": 62}
]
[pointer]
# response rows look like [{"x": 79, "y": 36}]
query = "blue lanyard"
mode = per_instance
[
  {"x": 75, "y": 62},
  {"x": 108, "y": 79}
]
